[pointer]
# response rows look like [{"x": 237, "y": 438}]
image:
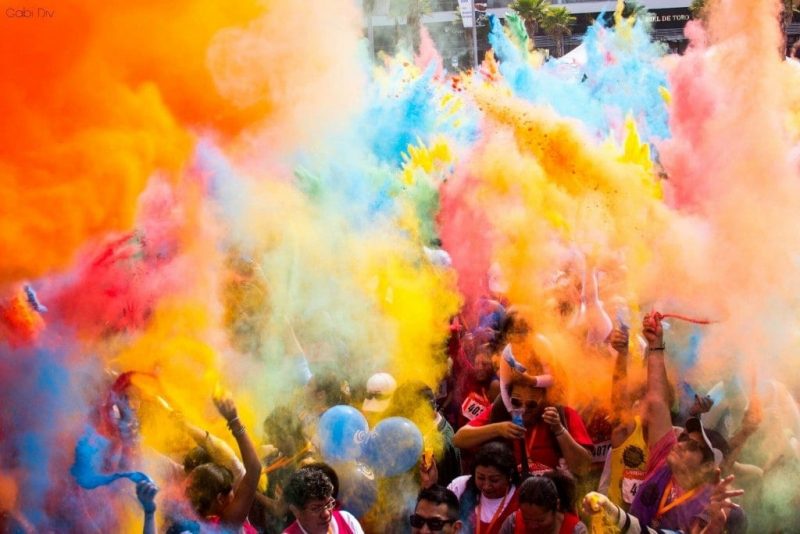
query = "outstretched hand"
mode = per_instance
[
  {"x": 226, "y": 408},
  {"x": 720, "y": 504},
  {"x": 652, "y": 330},
  {"x": 618, "y": 339},
  {"x": 146, "y": 493},
  {"x": 595, "y": 503}
]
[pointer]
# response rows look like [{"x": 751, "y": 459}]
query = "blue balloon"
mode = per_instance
[
  {"x": 393, "y": 447},
  {"x": 358, "y": 488},
  {"x": 340, "y": 428}
]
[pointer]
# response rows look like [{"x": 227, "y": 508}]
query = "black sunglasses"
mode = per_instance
[
  {"x": 529, "y": 405},
  {"x": 434, "y": 523}
]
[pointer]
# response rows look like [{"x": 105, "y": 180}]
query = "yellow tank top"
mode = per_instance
[{"x": 628, "y": 465}]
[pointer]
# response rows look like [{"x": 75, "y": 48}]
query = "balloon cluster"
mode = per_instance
[{"x": 360, "y": 456}]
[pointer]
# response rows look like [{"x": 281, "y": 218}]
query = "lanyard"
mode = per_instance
[
  {"x": 663, "y": 507},
  {"x": 495, "y": 517}
]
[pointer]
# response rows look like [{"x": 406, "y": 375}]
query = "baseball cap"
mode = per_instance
[
  {"x": 713, "y": 439},
  {"x": 380, "y": 388}
]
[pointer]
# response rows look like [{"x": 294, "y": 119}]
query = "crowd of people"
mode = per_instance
[{"x": 511, "y": 459}]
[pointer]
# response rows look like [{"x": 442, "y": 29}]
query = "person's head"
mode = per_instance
[
  {"x": 483, "y": 368},
  {"x": 194, "y": 458},
  {"x": 437, "y": 510},
  {"x": 329, "y": 472},
  {"x": 326, "y": 389},
  {"x": 494, "y": 470},
  {"x": 539, "y": 504},
  {"x": 698, "y": 452},
  {"x": 309, "y": 495},
  {"x": 209, "y": 489},
  {"x": 380, "y": 388},
  {"x": 283, "y": 429},
  {"x": 530, "y": 399}
]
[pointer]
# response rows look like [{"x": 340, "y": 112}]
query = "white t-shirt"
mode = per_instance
[{"x": 488, "y": 506}]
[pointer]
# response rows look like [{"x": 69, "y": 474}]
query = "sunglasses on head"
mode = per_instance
[
  {"x": 434, "y": 523},
  {"x": 528, "y": 405},
  {"x": 695, "y": 446}
]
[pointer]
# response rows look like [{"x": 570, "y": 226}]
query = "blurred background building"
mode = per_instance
[{"x": 388, "y": 23}]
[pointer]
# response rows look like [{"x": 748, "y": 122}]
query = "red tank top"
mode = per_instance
[
  {"x": 567, "y": 526},
  {"x": 494, "y": 527}
]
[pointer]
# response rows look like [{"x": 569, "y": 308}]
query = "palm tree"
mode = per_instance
[
  {"x": 532, "y": 12},
  {"x": 630, "y": 8},
  {"x": 556, "y": 23},
  {"x": 698, "y": 8},
  {"x": 412, "y": 11}
]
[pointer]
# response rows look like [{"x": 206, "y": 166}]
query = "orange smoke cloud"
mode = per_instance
[{"x": 93, "y": 105}]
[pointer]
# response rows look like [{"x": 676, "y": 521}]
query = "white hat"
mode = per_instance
[{"x": 380, "y": 388}]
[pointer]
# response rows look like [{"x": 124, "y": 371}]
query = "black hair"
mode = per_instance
[
  {"x": 541, "y": 491},
  {"x": 307, "y": 484},
  {"x": 194, "y": 458},
  {"x": 565, "y": 485},
  {"x": 331, "y": 386},
  {"x": 498, "y": 455},
  {"x": 329, "y": 472},
  {"x": 440, "y": 495},
  {"x": 206, "y": 483},
  {"x": 493, "y": 454}
]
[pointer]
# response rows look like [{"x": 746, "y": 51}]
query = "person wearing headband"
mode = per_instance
[
  {"x": 541, "y": 433},
  {"x": 682, "y": 467}
]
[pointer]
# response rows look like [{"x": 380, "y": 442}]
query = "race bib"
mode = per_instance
[
  {"x": 600, "y": 451},
  {"x": 631, "y": 480},
  {"x": 473, "y": 406}
]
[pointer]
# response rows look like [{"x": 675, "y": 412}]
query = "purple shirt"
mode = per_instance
[{"x": 681, "y": 517}]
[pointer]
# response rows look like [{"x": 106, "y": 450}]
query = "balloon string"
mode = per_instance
[{"x": 683, "y": 318}]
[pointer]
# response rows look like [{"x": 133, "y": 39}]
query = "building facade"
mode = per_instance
[{"x": 442, "y": 18}]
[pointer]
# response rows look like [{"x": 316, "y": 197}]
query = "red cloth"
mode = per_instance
[
  {"x": 510, "y": 509},
  {"x": 658, "y": 453},
  {"x": 567, "y": 526},
  {"x": 541, "y": 444}
]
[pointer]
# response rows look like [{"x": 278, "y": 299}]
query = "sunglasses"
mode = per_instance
[
  {"x": 528, "y": 405},
  {"x": 695, "y": 446},
  {"x": 329, "y": 505},
  {"x": 376, "y": 395},
  {"x": 434, "y": 523}
]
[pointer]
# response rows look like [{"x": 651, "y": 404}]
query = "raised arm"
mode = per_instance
[
  {"x": 236, "y": 512},
  {"x": 577, "y": 457},
  {"x": 146, "y": 493},
  {"x": 220, "y": 452},
  {"x": 620, "y": 403},
  {"x": 469, "y": 437},
  {"x": 658, "y": 417}
]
